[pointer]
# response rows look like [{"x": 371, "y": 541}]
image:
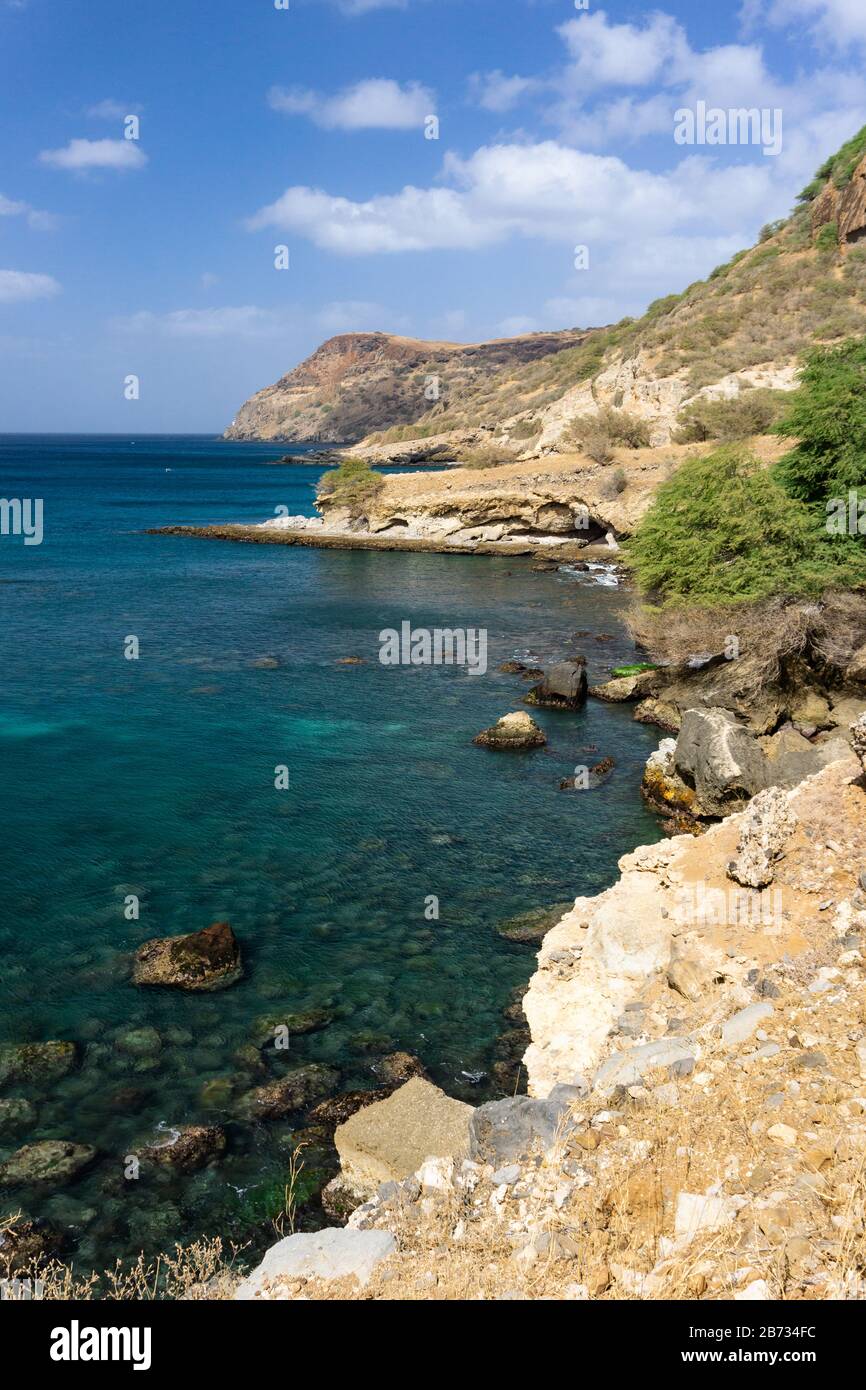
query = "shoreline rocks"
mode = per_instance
[
  {"x": 46, "y": 1163},
  {"x": 36, "y": 1064},
  {"x": 564, "y": 687},
  {"x": 201, "y": 962}
]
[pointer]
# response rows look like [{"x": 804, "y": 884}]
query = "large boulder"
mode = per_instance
[
  {"x": 330, "y": 1254},
  {"x": 203, "y": 961},
  {"x": 564, "y": 687},
  {"x": 35, "y": 1064},
  {"x": 512, "y": 731},
  {"x": 48, "y": 1163},
  {"x": 790, "y": 757},
  {"x": 766, "y": 828},
  {"x": 389, "y": 1141},
  {"x": 720, "y": 759},
  {"x": 512, "y": 1130},
  {"x": 638, "y": 685}
]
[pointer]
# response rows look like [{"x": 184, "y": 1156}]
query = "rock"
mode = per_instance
[
  {"x": 564, "y": 687},
  {"x": 810, "y": 708},
  {"x": 16, "y": 1115},
  {"x": 663, "y": 713},
  {"x": 265, "y": 663},
  {"x": 202, "y": 961},
  {"x": 766, "y": 828},
  {"x": 695, "y": 1213},
  {"x": 139, "y": 1042},
  {"x": 740, "y": 1027},
  {"x": 720, "y": 758},
  {"x": 621, "y": 689},
  {"x": 533, "y": 925},
  {"x": 631, "y": 1067},
  {"x": 858, "y": 739},
  {"x": 339, "y": 1109},
  {"x": 47, "y": 1163},
  {"x": 270, "y": 1026},
  {"x": 510, "y": 1131},
  {"x": 662, "y": 786},
  {"x": 686, "y": 977},
  {"x": 782, "y": 1134},
  {"x": 294, "y": 1091},
  {"x": 506, "y": 1177},
  {"x": 516, "y": 731},
  {"x": 36, "y": 1064},
  {"x": 398, "y": 1067},
  {"x": 388, "y": 1141},
  {"x": 790, "y": 757},
  {"x": 757, "y": 1291},
  {"x": 335, "y": 1253},
  {"x": 25, "y": 1243},
  {"x": 188, "y": 1149}
]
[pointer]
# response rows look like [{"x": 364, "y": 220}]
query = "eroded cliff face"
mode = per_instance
[{"x": 357, "y": 383}]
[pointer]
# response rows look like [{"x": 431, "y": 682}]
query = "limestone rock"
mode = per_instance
[
  {"x": 742, "y": 1025},
  {"x": 515, "y": 731},
  {"x": 621, "y": 689},
  {"x": 766, "y": 828},
  {"x": 533, "y": 925},
  {"x": 696, "y": 1213},
  {"x": 505, "y": 1132},
  {"x": 335, "y": 1253},
  {"x": 201, "y": 961},
  {"x": 388, "y": 1141},
  {"x": 719, "y": 758}
]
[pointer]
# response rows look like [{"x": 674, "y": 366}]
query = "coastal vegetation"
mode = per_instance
[{"x": 352, "y": 484}]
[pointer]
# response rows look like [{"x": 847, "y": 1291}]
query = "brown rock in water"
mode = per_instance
[
  {"x": 398, "y": 1068},
  {"x": 339, "y": 1109},
  {"x": 36, "y": 1064},
  {"x": 512, "y": 731},
  {"x": 294, "y": 1091},
  {"x": 202, "y": 961},
  {"x": 188, "y": 1149}
]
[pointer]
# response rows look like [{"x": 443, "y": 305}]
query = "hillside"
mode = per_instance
[{"x": 743, "y": 327}]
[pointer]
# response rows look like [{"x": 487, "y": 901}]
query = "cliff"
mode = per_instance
[{"x": 740, "y": 329}]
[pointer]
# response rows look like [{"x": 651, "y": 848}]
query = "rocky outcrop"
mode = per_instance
[
  {"x": 720, "y": 759},
  {"x": 186, "y": 1150},
  {"x": 515, "y": 731},
  {"x": 324, "y": 1256},
  {"x": 201, "y": 962},
  {"x": 357, "y": 383},
  {"x": 564, "y": 687},
  {"x": 294, "y": 1091}
]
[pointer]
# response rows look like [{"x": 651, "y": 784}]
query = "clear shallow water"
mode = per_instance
[{"x": 156, "y": 777}]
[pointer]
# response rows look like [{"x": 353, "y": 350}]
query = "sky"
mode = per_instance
[{"x": 430, "y": 167}]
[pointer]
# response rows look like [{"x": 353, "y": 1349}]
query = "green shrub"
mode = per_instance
[
  {"x": 749, "y": 413},
  {"x": 352, "y": 484},
  {"x": 827, "y": 417},
  {"x": 723, "y": 530},
  {"x": 618, "y": 426},
  {"x": 828, "y": 237}
]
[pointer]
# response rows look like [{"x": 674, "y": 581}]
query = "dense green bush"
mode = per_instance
[
  {"x": 353, "y": 484},
  {"x": 740, "y": 417},
  {"x": 597, "y": 434},
  {"x": 723, "y": 530},
  {"x": 827, "y": 418}
]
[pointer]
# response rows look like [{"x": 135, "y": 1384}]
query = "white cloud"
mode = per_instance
[
  {"x": 96, "y": 154},
  {"x": 243, "y": 321},
  {"x": 17, "y": 285},
  {"x": 377, "y": 103},
  {"x": 494, "y": 91},
  {"x": 416, "y": 219},
  {"x": 837, "y": 23},
  {"x": 39, "y": 221},
  {"x": 110, "y": 110},
  {"x": 607, "y": 55}
]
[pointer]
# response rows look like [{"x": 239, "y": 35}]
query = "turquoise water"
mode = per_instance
[{"x": 156, "y": 778}]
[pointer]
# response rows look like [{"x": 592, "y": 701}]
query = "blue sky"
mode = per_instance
[{"x": 305, "y": 127}]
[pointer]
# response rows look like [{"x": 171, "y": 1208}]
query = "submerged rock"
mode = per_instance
[
  {"x": 15, "y": 1115},
  {"x": 48, "y": 1163},
  {"x": 188, "y": 1149},
  {"x": 533, "y": 925},
  {"x": 516, "y": 730},
  {"x": 564, "y": 686},
  {"x": 269, "y": 1027},
  {"x": 201, "y": 961},
  {"x": 23, "y": 1243},
  {"x": 397, "y": 1068},
  {"x": 35, "y": 1064},
  {"x": 339, "y": 1109},
  {"x": 294, "y": 1091}
]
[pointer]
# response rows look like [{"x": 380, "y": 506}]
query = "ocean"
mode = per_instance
[{"x": 153, "y": 779}]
